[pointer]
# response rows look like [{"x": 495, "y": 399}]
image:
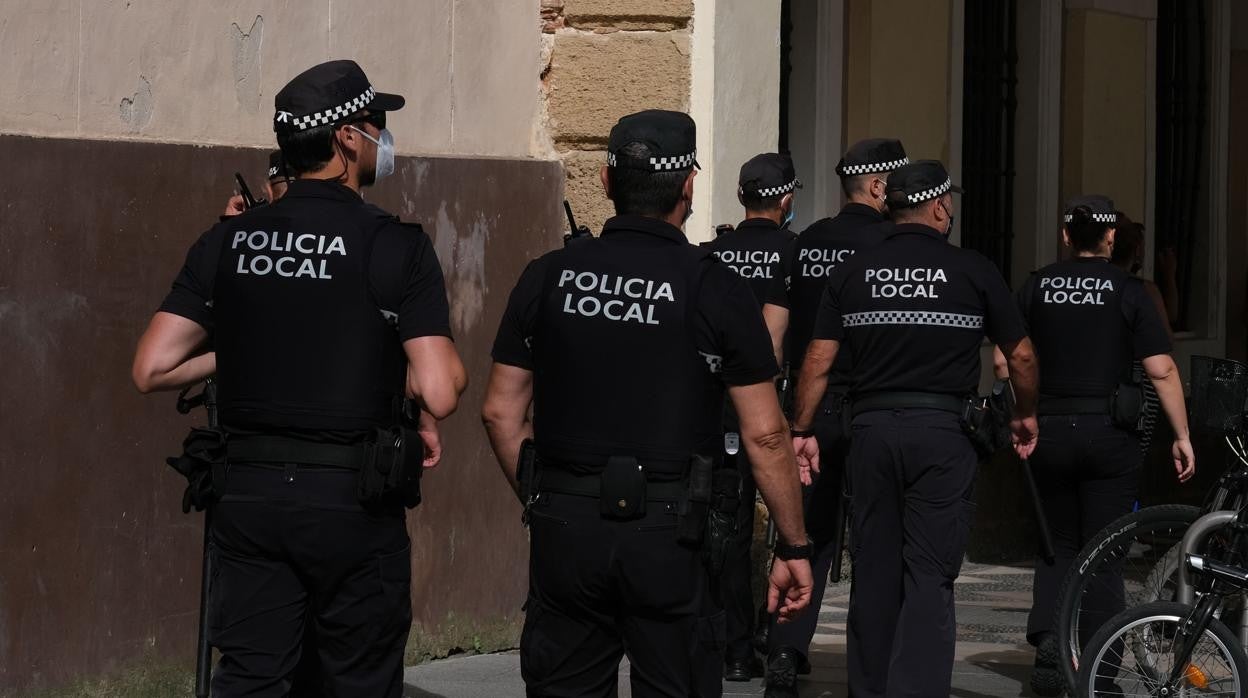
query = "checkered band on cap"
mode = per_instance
[
  {"x": 927, "y": 194},
  {"x": 1096, "y": 217},
  {"x": 273, "y": 172},
  {"x": 659, "y": 164},
  {"x": 872, "y": 167},
  {"x": 914, "y": 317},
  {"x": 775, "y": 191},
  {"x": 328, "y": 116}
]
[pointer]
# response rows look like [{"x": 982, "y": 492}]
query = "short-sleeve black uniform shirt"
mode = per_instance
[
  {"x": 914, "y": 311},
  {"x": 624, "y": 363},
  {"x": 1089, "y": 320},
  {"x": 755, "y": 250},
  {"x": 827, "y": 243},
  {"x": 307, "y": 301}
]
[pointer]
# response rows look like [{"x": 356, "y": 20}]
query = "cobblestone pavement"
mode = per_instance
[{"x": 992, "y": 656}]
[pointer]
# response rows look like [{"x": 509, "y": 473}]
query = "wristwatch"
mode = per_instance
[
  {"x": 800, "y": 433},
  {"x": 794, "y": 552}
]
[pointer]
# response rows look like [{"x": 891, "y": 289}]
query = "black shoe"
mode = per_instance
[
  {"x": 782, "y": 670},
  {"x": 1046, "y": 678},
  {"x": 743, "y": 669}
]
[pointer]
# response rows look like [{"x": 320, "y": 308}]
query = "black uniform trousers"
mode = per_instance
[
  {"x": 289, "y": 543},
  {"x": 600, "y": 589},
  {"x": 823, "y": 506},
  {"x": 736, "y": 588},
  {"x": 1087, "y": 474},
  {"x": 911, "y": 473}
]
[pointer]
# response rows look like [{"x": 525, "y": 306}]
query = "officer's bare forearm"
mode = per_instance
[
  {"x": 172, "y": 354},
  {"x": 1164, "y": 374},
  {"x": 777, "y": 320},
  {"x": 813, "y": 380},
  {"x": 1024, "y": 374},
  {"x": 770, "y": 450},
  {"x": 505, "y": 415},
  {"x": 1000, "y": 367},
  {"x": 435, "y": 374}
]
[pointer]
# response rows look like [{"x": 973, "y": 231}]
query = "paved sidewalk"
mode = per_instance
[{"x": 992, "y": 657}]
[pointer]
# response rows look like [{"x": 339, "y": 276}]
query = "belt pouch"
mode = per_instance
[
  {"x": 722, "y": 517},
  {"x": 1126, "y": 407},
  {"x": 382, "y": 468},
  {"x": 623, "y": 494},
  {"x": 691, "y": 522}
]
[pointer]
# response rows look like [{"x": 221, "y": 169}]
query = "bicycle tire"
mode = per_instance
[
  {"x": 1101, "y": 647},
  {"x": 1111, "y": 544}
]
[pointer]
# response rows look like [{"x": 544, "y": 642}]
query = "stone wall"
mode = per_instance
[{"x": 603, "y": 59}]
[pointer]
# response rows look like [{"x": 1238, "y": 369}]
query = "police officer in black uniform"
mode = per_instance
[
  {"x": 323, "y": 313},
  {"x": 624, "y": 344},
  {"x": 790, "y": 312},
  {"x": 755, "y": 250},
  {"x": 913, "y": 311},
  {"x": 1089, "y": 321}
]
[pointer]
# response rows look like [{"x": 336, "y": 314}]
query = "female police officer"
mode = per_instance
[{"x": 1089, "y": 320}]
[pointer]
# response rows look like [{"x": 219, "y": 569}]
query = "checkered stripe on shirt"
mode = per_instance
[
  {"x": 913, "y": 317},
  {"x": 329, "y": 116}
]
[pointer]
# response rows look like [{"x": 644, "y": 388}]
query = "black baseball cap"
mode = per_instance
[
  {"x": 1101, "y": 208},
  {"x": 328, "y": 93},
  {"x": 872, "y": 155},
  {"x": 670, "y": 135},
  {"x": 277, "y": 166},
  {"x": 768, "y": 174},
  {"x": 922, "y": 180}
]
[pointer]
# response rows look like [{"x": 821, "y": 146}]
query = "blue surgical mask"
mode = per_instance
[
  {"x": 788, "y": 218},
  {"x": 385, "y": 153}
]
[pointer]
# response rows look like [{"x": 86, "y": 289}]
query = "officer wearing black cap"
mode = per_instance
[
  {"x": 322, "y": 313},
  {"x": 1090, "y": 321},
  {"x": 913, "y": 311},
  {"x": 625, "y": 344},
  {"x": 792, "y": 303},
  {"x": 755, "y": 250}
]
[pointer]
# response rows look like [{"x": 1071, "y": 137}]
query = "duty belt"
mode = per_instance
[
  {"x": 565, "y": 482},
  {"x": 1073, "y": 405},
  {"x": 907, "y": 400},
  {"x": 279, "y": 449}
]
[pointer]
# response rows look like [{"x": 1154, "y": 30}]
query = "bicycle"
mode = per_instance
[
  {"x": 1174, "y": 649},
  {"x": 1136, "y": 559}
]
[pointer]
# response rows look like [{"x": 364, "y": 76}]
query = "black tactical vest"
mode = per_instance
[
  {"x": 616, "y": 368},
  {"x": 300, "y": 340},
  {"x": 1076, "y": 320}
]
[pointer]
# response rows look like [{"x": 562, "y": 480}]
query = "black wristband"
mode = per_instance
[
  {"x": 794, "y": 552},
  {"x": 801, "y": 433}
]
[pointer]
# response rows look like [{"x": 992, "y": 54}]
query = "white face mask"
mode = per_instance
[{"x": 385, "y": 153}]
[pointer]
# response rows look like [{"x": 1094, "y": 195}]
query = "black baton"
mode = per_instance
[
  {"x": 1042, "y": 521},
  {"x": 203, "y": 651}
]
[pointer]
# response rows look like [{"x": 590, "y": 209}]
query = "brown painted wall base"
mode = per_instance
[{"x": 98, "y": 566}]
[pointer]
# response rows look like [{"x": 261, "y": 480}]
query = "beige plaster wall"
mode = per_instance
[
  {"x": 735, "y": 101},
  {"x": 897, "y": 74},
  {"x": 1105, "y": 108},
  {"x": 206, "y": 72}
]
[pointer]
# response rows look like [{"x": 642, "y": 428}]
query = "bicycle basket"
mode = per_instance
[{"x": 1219, "y": 391}]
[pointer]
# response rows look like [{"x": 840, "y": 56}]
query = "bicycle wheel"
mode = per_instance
[
  {"x": 1134, "y": 653},
  {"x": 1129, "y": 563}
]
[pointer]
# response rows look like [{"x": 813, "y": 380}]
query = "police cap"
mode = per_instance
[
  {"x": 277, "y": 166},
  {"x": 872, "y": 155},
  {"x": 671, "y": 137},
  {"x": 328, "y": 93},
  {"x": 1101, "y": 208},
  {"x": 922, "y": 180},
  {"x": 768, "y": 174}
]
